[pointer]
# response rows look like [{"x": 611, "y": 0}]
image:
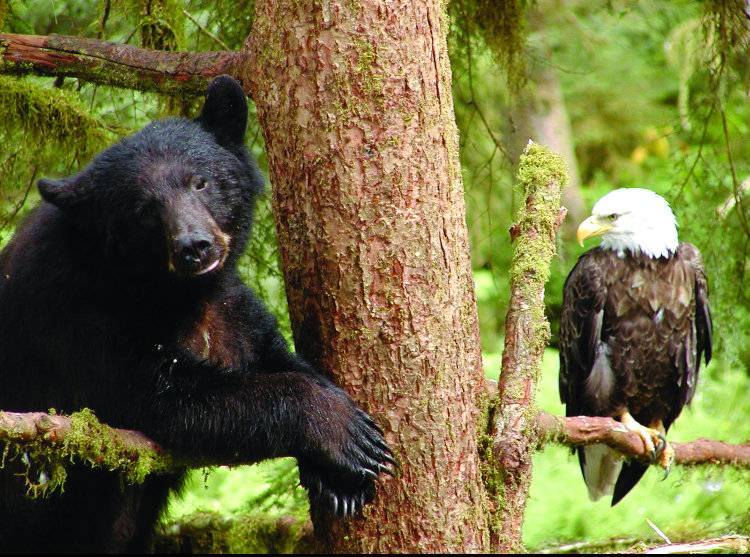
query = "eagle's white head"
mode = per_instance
[{"x": 632, "y": 219}]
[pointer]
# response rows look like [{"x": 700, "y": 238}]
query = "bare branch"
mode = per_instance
[
  {"x": 118, "y": 65},
  {"x": 585, "y": 430}
]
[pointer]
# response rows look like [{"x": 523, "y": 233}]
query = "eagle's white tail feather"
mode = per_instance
[{"x": 601, "y": 470}]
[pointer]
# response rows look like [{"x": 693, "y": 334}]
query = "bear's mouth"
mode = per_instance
[
  {"x": 213, "y": 266},
  {"x": 216, "y": 265}
]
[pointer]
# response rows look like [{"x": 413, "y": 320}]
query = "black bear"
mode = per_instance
[{"x": 120, "y": 293}]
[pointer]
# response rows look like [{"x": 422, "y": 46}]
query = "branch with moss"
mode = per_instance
[
  {"x": 50, "y": 442},
  {"x": 542, "y": 176},
  {"x": 118, "y": 65},
  {"x": 205, "y": 532}
]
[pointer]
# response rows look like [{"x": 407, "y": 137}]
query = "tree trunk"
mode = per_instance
[{"x": 355, "y": 103}]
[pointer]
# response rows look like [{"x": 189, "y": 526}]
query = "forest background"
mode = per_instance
[{"x": 645, "y": 94}]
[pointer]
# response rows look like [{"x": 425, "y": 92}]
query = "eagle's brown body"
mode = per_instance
[{"x": 632, "y": 332}]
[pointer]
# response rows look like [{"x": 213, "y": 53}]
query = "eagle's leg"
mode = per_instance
[
  {"x": 667, "y": 454},
  {"x": 653, "y": 439}
]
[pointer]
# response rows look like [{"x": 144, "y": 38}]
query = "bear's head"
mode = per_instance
[{"x": 176, "y": 197}]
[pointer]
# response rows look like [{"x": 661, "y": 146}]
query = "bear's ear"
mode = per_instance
[
  {"x": 224, "y": 113},
  {"x": 66, "y": 193}
]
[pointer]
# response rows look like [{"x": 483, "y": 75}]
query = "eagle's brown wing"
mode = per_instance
[
  {"x": 584, "y": 296},
  {"x": 689, "y": 368}
]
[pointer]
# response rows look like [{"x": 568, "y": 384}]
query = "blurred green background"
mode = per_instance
[{"x": 651, "y": 94}]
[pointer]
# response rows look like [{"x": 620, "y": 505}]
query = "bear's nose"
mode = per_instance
[{"x": 191, "y": 249}]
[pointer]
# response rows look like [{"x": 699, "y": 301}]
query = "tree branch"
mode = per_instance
[
  {"x": 542, "y": 175},
  {"x": 52, "y": 441},
  {"x": 118, "y": 65},
  {"x": 585, "y": 430},
  {"x": 24, "y": 427}
]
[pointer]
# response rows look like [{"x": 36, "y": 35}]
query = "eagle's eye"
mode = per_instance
[{"x": 612, "y": 216}]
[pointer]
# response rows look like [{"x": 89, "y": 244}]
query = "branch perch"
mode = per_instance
[
  {"x": 50, "y": 442},
  {"x": 18, "y": 427},
  {"x": 119, "y": 65},
  {"x": 584, "y": 430},
  {"x": 579, "y": 431}
]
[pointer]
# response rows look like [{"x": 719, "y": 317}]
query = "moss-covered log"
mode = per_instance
[
  {"x": 542, "y": 176},
  {"x": 204, "y": 533},
  {"x": 118, "y": 65}
]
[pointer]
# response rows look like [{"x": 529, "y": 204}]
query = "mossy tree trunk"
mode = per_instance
[{"x": 355, "y": 102}]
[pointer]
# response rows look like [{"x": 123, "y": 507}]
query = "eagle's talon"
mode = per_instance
[
  {"x": 662, "y": 444},
  {"x": 667, "y": 470}
]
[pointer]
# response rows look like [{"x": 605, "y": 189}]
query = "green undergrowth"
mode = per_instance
[
  {"x": 270, "y": 487},
  {"x": 253, "y": 533},
  {"x": 691, "y": 503}
]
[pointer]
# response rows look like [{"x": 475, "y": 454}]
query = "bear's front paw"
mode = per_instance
[{"x": 340, "y": 476}]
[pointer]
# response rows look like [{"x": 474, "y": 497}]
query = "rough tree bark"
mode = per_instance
[{"x": 355, "y": 103}]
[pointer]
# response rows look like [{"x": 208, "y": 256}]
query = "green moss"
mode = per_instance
[
  {"x": 90, "y": 442},
  {"x": 493, "y": 477},
  {"x": 267, "y": 534},
  {"x": 211, "y": 532},
  {"x": 355, "y": 6},
  {"x": 538, "y": 167},
  {"x": 502, "y": 27},
  {"x": 372, "y": 82},
  {"x": 542, "y": 176},
  {"x": 51, "y": 114}
]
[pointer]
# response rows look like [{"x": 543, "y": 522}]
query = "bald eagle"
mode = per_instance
[{"x": 635, "y": 324}]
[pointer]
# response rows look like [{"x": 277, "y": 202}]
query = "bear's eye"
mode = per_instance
[{"x": 200, "y": 185}]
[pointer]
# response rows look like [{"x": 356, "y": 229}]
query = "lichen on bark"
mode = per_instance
[{"x": 542, "y": 176}]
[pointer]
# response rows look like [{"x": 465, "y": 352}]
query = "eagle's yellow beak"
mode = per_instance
[{"x": 591, "y": 227}]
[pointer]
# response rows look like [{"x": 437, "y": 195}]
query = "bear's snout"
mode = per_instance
[
  {"x": 195, "y": 254},
  {"x": 197, "y": 246}
]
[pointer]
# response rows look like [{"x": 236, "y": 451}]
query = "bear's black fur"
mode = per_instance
[{"x": 119, "y": 293}]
